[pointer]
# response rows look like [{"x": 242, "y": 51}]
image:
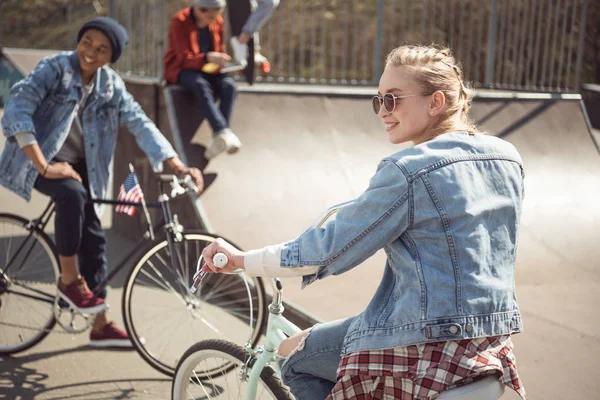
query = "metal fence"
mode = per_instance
[
  {"x": 508, "y": 44},
  {"x": 516, "y": 44}
]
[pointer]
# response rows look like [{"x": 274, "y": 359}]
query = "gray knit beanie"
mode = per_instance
[{"x": 210, "y": 4}]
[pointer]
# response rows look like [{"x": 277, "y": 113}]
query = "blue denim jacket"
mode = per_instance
[
  {"x": 446, "y": 212},
  {"x": 46, "y": 103}
]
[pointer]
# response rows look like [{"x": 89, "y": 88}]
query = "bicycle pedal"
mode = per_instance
[{"x": 63, "y": 304}]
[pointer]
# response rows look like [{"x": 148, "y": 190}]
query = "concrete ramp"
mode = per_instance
[
  {"x": 304, "y": 153},
  {"x": 25, "y": 60}
]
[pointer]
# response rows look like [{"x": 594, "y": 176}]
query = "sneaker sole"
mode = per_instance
[
  {"x": 91, "y": 310},
  {"x": 219, "y": 146},
  {"x": 122, "y": 343},
  {"x": 233, "y": 149}
]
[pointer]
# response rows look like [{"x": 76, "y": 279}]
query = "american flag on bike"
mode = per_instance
[{"x": 130, "y": 191}]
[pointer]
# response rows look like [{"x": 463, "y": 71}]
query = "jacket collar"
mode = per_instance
[{"x": 103, "y": 86}]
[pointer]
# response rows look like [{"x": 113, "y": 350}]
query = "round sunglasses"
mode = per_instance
[{"x": 389, "y": 101}]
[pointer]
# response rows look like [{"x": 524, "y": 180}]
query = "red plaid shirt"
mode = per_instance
[{"x": 422, "y": 371}]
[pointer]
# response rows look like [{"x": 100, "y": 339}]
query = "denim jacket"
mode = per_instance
[
  {"x": 446, "y": 212},
  {"x": 46, "y": 103}
]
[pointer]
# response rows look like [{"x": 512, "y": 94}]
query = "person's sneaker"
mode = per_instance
[
  {"x": 79, "y": 296},
  {"x": 111, "y": 336},
  {"x": 263, "y": 62},
  {"x": 259, "y": 58},
  {"x": 240, "y": 51},
  {"x": 233, "y": 142},
  {"x": 224, "y": 140}
]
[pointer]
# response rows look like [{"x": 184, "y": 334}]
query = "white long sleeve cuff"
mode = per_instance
[
  {"x": 267, "y": 262},
  {"x": 25, "y": 138}
]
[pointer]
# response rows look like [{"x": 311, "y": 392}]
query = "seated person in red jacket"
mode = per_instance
[{"x": 195, "y": 45}]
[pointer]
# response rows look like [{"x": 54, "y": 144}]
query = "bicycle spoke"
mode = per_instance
[
  {"x": 215, "y": 287},
  {"x": 163, "y": 261},
  {"x": 173, "y": 330},
  {"x": 26, "y": 314},
  {"x": 166, "y": 285},
  {"x": 218, "y": 289},
  {"x": 220, "y": 309},
  {"x": 205, "y": 392},
  {"x": 227, "y": 296},
  {"x": 154, "y": 312}
]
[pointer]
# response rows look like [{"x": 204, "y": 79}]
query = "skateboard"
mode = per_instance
[{"x": 239, "y": 11}]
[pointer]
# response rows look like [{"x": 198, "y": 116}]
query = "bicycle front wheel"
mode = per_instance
[
  {"x": 159, "y": 307},
  {"x": 218, "y": 369},
  {"x": 29, "y": 270}
]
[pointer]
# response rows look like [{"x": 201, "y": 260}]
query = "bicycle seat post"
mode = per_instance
[{"x": 276, "y": 306}]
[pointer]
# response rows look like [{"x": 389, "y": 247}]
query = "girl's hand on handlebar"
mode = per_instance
[
  {"x": 235, "y": 257},
  {"x": 61, "y": 170}
]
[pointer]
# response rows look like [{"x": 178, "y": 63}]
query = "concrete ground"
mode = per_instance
[{"x": 303, "y": 154}]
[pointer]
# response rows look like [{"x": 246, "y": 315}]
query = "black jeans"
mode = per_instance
[
  {"x": 207, "y": 88},
  {"x": 78, "y": 230}
]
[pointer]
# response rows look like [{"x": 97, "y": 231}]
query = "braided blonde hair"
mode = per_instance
[{"x": 435, "y": 69}]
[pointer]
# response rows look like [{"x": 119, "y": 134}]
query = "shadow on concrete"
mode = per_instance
[
  {"x": 22, "y": 382},
  {"x": 529, "y": 117},
  {"x": 496, "y": 111}
]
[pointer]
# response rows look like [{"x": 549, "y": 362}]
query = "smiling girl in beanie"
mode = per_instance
[{"x": 61, "y": 124}]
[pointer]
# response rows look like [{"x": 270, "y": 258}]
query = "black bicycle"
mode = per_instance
[{"x": 157, "y": 303}]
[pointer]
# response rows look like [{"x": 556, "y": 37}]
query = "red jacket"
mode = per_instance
[{"x": 184, "y": 51}]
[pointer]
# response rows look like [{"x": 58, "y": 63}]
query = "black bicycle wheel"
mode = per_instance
[
  {"x": 164, "y": 318},
  {"x": 29, "y": 270},
  {"x": 218, "y": 369}
]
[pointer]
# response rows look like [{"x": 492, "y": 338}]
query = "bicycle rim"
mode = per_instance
[
  {"x": 206, "y": 359},
  {"x": 29, "y": 272},
  {"x": 159, "y": 307}
]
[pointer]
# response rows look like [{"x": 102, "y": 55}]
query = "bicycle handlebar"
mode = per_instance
[
  {"x": 220, "y": 260},
  {"x": 179, "y": 186}
]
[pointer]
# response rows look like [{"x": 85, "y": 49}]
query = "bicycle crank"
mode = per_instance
[{"x": 69, "y": 318}]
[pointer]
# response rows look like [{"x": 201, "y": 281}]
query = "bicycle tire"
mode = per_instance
[
  {"x": 153, "y": 268},
  {"x": 212, "y": 348},
  {"x": 46, "y": 279}
]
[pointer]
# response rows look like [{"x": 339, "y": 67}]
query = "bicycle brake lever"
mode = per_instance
[
  {"x": 190, "y": 184},
  {"x": 219, "y": 260},
  {"x": 198, "y": 278},
  {"x": 176, "y": 188}
]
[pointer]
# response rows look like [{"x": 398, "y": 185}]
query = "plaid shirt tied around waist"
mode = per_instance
[{"x": 422, "y": 371}]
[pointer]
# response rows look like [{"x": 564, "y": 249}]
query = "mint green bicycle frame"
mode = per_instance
[
  {"x": 277, "y": 325},
  {"x": 278, "y": 329}
]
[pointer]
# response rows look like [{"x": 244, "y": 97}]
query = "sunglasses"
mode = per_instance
[{"x": 389, "y": 101}]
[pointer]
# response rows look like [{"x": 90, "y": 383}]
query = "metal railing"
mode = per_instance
[{"x": 509, "y": 44}]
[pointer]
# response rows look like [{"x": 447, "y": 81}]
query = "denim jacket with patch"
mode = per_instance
[
  {"x": 446, "y": 212},
  {"x": 46, "y": 103}
]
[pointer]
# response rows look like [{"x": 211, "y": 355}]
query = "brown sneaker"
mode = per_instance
[
  {"x": 111, "y": 336},
  {"x": 79, "y": 296}
]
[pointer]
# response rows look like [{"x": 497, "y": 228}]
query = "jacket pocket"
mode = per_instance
[
  {"x": 60, "y": 98},
  {"x": 107, "y": 120}
]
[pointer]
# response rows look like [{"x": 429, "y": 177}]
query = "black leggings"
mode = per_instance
[{"x": 78, "y": 230}]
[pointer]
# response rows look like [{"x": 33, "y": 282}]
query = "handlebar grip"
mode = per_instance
[
  {"x": 189, "y": 182},
  {"x": 220, "y": 260},
  {"x": 192, "y": 186}
]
